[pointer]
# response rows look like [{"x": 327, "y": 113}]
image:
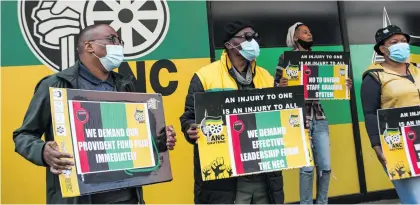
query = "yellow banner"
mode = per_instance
[{"x": 341, "y": 73}]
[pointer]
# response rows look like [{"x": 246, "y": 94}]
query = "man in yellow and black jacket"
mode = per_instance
[{"x": 236, "y": 70}]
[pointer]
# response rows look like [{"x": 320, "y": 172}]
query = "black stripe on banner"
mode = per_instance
[
  {"x": 248, "y": 152},
  {"x": 313, "y": 71},
  {"x": 94, "y": 122}
]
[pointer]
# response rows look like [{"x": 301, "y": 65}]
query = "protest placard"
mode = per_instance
[
  {"x": 398, "y": 129},
  {"x": 109, "y": 136},
  {"x": 116, "y": 139},
  {"x": 323, "y": 74},
  {"x": 297, "y": 58},
  {"x": 251, "y": 131},
  {"x": 411, "y": 136},
  {"x": 325, "y": 82}
]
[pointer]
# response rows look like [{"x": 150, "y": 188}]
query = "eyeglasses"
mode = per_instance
[
  {"x": 113, "y": 39},
  {"x": 249, "y": 36}
]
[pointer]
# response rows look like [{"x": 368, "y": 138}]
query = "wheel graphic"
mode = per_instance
[
  {"x": 395, "y": 138},
  {"x": 216, "y": 129},
  {"x": 142, "y": 25}
]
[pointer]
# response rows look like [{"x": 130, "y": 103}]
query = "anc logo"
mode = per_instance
[
  {"x": 392, "y": 137},
  {"x": 294, "y": 120},
  {"x": 342, "y": 71},
  {"x": 292, "y": 72},
  {"x": 212, "y": 128},
  {"x": 139, "y": 116},
  {"x": 51, "y": 28}
]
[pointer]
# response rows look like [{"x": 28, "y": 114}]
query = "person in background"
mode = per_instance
[
  {"x": 391, "y": 84},
  {"x": 299, "y": 38},
  {"x": 236, "y": 70},
  {"x": 100, "y": 51}
]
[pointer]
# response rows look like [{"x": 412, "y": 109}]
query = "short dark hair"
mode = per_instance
[{"x": 85, "y": 35}]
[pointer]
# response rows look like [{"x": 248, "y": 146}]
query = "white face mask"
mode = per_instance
[
  {"x": 250, "y": 49},
  {"x": 114, "y": 57}
]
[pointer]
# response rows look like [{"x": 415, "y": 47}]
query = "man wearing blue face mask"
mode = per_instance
[
  {"x": 236, "y": 70},
  {"x": 393, "y": 83},
  {"x": 100, "y": 51}
]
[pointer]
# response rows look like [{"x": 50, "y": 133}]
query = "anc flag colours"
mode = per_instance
[
  {"x": 242, "y": 141},
  {"x": 398, "y": 137},
  {"x": 255, "y": 143},
  {"x": 331, "y": 81},
  {"x": 111, "y": 136},
  {"x": 411, "y": 136}
]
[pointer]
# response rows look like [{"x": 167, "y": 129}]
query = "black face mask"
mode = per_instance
[{"x": 304, "y": 44}]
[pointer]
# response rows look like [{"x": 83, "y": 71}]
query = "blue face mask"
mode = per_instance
[
  {"x": 250, "y": 50},
  {"x": 399, "y": 52},
  {"x": 114, "y": 57}
]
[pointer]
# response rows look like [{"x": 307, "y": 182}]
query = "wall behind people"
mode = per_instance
[
  {"x": 363, "y": 20},
  {"x": 271, "y": 21},
  {"x": 183, "y": 48},
  {"x": 167, "y": 65}
]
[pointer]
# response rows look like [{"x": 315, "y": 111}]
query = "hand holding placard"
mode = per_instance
[
  {"x": 55, "y": 159},
  {"x": 283, "y": 82},
  {"x": 193, "y": 132},
  {"x": 170, "y": 137}
]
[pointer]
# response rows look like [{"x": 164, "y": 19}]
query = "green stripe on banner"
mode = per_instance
[
  {"x": 414, "y": 49},
  {"x": 114, "y": 116},
  {"x": 269, "y": 120},
  {"x": 325, "y": 71},
  {"x": 219, "y": 89}
]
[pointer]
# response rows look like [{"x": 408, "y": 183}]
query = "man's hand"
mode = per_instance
[
  {"x": 349, "y": 83},
  {"x": 170, "y": 137},
  {"x": 380, "y": 155},
  {"x": 193, "y": 132},
  {"x": 54, "y": 158},
  {"x": 283, "y": 82}
]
